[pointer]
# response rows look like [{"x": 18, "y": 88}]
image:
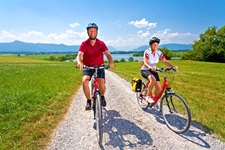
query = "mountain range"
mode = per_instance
[
  {"x": 170, "y": 46},
  {"x": 23, "y": 47}
]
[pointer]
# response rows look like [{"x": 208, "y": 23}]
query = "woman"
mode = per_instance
[{"x": 148, "y": 70}]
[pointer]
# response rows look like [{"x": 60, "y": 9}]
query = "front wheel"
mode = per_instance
[
  {"x": 98, "y": 116},
  {"x": 176, "y": 112},
  {"x": 142, "y": 102}
]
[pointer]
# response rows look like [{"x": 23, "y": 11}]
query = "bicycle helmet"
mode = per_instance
[
  {"x": 92, "y": 25},
  {"x": 154, "y": 39}
]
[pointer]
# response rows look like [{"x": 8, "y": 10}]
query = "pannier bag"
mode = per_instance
[{"x": 136, "y": 84}]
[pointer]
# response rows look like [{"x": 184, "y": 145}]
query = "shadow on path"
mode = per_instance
[
  {"x": 123, "y": 133},
  {"x": 193, "y": 136}
]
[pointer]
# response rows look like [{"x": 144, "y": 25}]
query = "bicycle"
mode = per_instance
[
  {"x": 96, "y": 101},
  {"x": 174, "y": 108}
]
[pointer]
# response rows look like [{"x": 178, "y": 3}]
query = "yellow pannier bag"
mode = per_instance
[{"x": 136, "y": 84}]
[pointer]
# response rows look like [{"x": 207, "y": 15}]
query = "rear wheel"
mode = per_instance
[
  {"x": 140, "y": 97},
  {"x": 98, "y": 116},
  {"x": 176, "y": 113}
]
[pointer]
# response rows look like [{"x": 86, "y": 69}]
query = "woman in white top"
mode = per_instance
[{"x": 148, "y": 70}]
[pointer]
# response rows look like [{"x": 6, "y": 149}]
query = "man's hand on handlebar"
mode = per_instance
[
  {"x": 111, "y": 65},
  {"x": 80, "y": 66}
]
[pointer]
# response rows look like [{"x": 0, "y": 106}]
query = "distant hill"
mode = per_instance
[
  {"x": 112, "y": 49},
  {"x": 171, "y": 46},
  {"x": 23, "y": 47}
]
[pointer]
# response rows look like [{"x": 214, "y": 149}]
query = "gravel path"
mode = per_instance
[{"x": 126, "y": 125}]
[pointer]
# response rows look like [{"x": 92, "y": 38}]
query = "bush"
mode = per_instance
[{"x": 122, "y": 60}]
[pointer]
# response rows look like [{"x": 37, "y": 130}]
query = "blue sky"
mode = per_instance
[{"x": 122, "y": 24}]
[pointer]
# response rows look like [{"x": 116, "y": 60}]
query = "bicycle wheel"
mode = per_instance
[
  {"x": 176, "y": 113},
  {"x": 142, "y": 102},
  {"x": 98, "y": 116}
]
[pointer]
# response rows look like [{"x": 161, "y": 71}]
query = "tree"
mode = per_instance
[
  {"x": 122, "y": 60},
  {"x": 166, "y": 52},
  {"x": 131, "y": 59},
  {"x": 210, "y": 46}
]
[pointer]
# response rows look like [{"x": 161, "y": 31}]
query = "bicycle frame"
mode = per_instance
[
  {"x": 94, "y": 85},
  {"x": 165, "y": 87}
]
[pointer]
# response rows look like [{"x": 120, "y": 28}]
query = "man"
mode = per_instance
[{"x": 91, "y": 54}]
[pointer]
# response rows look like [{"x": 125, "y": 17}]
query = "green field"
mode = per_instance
[
  {"x": 34, "y": 96},
  {"x": 202, "y": 84}
]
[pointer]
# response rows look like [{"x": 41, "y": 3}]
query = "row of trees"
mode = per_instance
[
  {"x": 67, "y": 57},
  {"x": 210, "y": 46}
]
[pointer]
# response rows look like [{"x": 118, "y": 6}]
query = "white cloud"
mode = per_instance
[
  {"x": 6, "y": 36},
  {"x": 72, "y": 37},
  {"x": 73, "y": 25},
  {"x": 167, "y": 36},
  {"x": 69, "y": 37},
  {"x": 143, "y": 23},
  {"x": 142, "y": 34}
]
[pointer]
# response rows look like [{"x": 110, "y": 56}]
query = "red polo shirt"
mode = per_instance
[{"x": 93, "y": 55}]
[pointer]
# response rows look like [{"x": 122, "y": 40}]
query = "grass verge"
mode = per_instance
[{"x": 34, "y": 96}]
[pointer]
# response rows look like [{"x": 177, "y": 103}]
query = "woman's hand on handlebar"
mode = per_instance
[
  {"x": 175, "y": 67},
  {"x": 152, "y": 69}
]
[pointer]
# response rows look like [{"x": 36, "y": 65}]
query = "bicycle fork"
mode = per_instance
[
  {"x": 96, "y": 92},
  {"x": 170, "y": 103}
]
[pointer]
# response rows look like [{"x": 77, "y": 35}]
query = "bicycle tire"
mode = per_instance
[
  {"x": 141, "y": 102},
  {"x": 98, "y": 116},
  {"x": 176, "y": 113}
]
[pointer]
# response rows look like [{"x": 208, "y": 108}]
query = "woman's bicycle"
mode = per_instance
[
  {"x": 96, "y": 101},
  {"x": 174, "y": 108}
]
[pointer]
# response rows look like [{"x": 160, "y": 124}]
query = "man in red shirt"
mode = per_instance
[{"x": 91, "y": 54}]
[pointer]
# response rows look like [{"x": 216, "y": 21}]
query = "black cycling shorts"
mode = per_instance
[
  {"x": 90, "y": 72},
  {"x": 146, "y": 73}
]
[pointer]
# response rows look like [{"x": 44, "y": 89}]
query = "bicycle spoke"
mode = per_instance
[
  {"x": 99, "y": 120},
  {"x": 140, "y": 98},
  {"x": 176, "y": 113}
]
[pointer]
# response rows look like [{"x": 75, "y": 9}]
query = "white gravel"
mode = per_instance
[{"x": 126, "y": 125}]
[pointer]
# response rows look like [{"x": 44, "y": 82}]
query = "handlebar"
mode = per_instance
[
  {"x": 165, "y": 70},
  {"x": 96, "y": 67}
]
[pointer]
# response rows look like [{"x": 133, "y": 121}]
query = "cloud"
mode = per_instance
[
  {"x": 6, "y": 36},
  {"x": 69, "y": 37},
  {"x": 143, "y": 23},
  {"x": 167, "y": 36},
  {"x": 74, "y": 25},
  {"x": 142, "y": 34}
]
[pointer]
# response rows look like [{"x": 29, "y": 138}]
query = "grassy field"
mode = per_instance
[
  {"x": 202, "y": 84},
  {"x": 34, "y": 96},
  {"x": 28, "y": 58}
]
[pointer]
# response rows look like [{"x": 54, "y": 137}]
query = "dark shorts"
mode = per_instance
[
  {"x": 146, "y": 73},
  {"x": 90, "y": 72}
]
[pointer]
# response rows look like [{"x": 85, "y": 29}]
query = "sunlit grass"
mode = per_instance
[
  {"x": 13, "y": 58},
  {"x": 201, "y": 84},
  {"x": 34, "y": 96}
]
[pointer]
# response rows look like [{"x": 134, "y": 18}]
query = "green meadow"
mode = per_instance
[
  {"x": 202, "y": 84},
  {"x": 34, "y": 96}
]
